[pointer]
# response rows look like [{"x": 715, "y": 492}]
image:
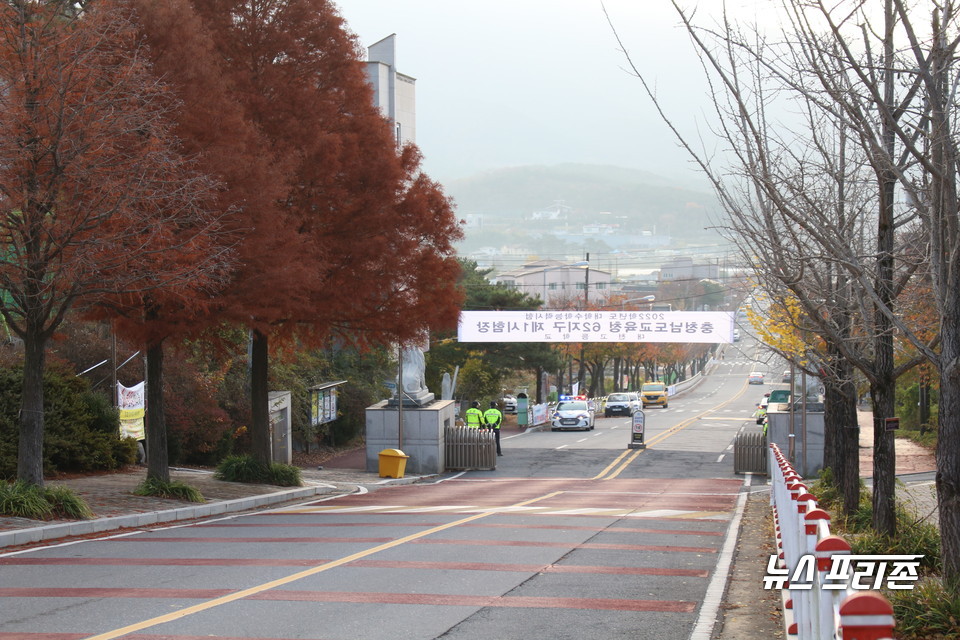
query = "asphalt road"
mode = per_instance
[{"x": 572, "y": 536}]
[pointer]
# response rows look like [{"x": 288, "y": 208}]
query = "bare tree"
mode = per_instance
[{"x": 888, "y": 91}]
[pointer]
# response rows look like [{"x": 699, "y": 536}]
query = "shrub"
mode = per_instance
[
  {"x": 66, "y": 504},
  {"x": 242, "y": 469},
  {"x": 80, "y": 426},
  {"x": 926, "y": 612},
  {"x": 24, "y": 500},
  {"x": 174, "y": 489},
  {"x": 285, "y": 475},
  {"x": 913, "y": 536},
  {"x": 199, "y": 431},
  {"x": 247, "y": 469}
]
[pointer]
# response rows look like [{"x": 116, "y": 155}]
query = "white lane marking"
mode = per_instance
[
  {"x": 720, "y": 459},
  {"x": 712, "y": 599}
]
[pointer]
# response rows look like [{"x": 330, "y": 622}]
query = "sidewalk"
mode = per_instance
[
  {"x": 110, "y": 497},
  {"x": 920, "y": 496}
]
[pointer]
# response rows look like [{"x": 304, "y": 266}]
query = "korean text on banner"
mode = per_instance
[
  {"x": 596, "y": 326},
  {"x": 130, "y": 402}
]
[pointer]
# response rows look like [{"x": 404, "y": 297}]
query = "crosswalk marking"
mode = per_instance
[{"x": 534, "y": 510}]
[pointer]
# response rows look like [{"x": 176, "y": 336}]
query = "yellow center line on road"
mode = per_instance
[
  {"x": 611, "y": 465},
  {"x": 603, "y": 475},
  {"x": 273, "y": 584}
]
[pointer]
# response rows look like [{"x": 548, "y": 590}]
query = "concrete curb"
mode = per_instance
[{"x": 42, "y": 533}]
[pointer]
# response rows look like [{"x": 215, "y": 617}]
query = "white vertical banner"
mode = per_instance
[{"x": 131, "y": 402}]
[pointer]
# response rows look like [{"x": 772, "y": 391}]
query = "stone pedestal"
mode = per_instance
[{"x": 422, "y": 437}]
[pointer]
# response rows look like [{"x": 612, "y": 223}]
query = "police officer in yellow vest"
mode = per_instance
[
  {"x": 473, "y": 416},
  {"x": 492, "y": 418}
]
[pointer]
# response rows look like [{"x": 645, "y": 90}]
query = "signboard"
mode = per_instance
[
  {"x": 323, "y": 403},
  {"x": 596, "y": 326},
  {"x": 636, "y": 433},
  {"x": 892, "y": 424}
]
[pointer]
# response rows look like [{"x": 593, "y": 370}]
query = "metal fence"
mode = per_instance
[{"x": 467, "y": 449}]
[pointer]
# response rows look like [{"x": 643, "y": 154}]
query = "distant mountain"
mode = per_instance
[{"x": 634, "y": 198}]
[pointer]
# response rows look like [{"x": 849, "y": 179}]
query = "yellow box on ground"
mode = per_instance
[{"x": 393, "y": 462}]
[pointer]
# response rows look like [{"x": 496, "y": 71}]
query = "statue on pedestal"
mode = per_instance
[{"x": 412, "y": 386}]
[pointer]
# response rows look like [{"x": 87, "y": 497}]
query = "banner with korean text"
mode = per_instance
[
  {"x": 596, "y": 326},
  {"x": 131, "y": 403}
]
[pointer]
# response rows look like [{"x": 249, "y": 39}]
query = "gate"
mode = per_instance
[
  {"x": 467, "y": 449},
  {"x": 750, "y": 453}
]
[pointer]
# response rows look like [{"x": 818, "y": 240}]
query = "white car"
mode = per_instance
[
  {"x": 508, "y": 404},
  {"x": 573, "y": 414},
  {"x": 620, "y": 404},
  {"x": 755, "y": 377}
]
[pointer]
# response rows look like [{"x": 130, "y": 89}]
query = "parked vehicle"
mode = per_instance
[
  {"x": 653, "y": 394},
  {"x": 787, "y": 376},
  {"x": 508, "y": 404}
]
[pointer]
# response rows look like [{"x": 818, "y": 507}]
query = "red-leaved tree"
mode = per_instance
[
  {"x": 94, "y": 190},
  {"x": 355, "y": 242}
]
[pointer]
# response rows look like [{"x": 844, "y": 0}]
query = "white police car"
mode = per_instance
[{"x": 573, "y": 413}]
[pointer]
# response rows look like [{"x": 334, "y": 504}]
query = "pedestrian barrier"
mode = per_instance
[
  {"x": 824, "y": 603},
  {"x": 467, "y": 449},
  {"x": 750, "y": 453}
]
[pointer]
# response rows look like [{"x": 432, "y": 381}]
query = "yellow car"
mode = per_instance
[{"x": 654, "y": 394}]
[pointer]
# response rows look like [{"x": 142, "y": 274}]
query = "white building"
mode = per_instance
[
  {"x": 553, "y": 281},
  {"x": 393, "y": 92},
  {"x": 685, "y": 269}
]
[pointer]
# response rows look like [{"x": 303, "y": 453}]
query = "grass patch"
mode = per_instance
[
  {"x": 927, "y": 612},
  {"x": 247, "y": 469},
  {"x": 174, "y": 489},
  {"x": 926, "y": 439},
  {"x": 25, "y": 500}
]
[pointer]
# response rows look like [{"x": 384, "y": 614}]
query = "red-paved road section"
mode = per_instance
[{"x": 640, "y": 547}]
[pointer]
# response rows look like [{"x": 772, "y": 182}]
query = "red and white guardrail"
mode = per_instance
[{"x": 814, "y": 567}]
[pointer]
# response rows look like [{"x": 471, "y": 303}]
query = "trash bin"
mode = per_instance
[
  {"x": 392, "y": 463},
  {"x": 523, "y": 417}
]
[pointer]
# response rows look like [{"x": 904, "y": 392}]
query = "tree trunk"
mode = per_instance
[
  {"x": 259, "y": 399},
  {"x": 884, "y": 459},
  {"x": 948, "y": 451},
  {"x": 884, "y": 387},
  {"x": 158, "y": 464},
  {"x": 30, "y": 450},
  {"x": 840, "y": 416}
]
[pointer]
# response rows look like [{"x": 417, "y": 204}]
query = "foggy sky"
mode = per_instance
[{"x": 505, "y": 83}]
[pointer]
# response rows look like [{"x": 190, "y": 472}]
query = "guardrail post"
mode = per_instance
[{"x": 866, "y": 615}]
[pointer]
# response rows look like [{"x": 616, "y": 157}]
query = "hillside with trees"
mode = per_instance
[{"x": 636, "y": 200}]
